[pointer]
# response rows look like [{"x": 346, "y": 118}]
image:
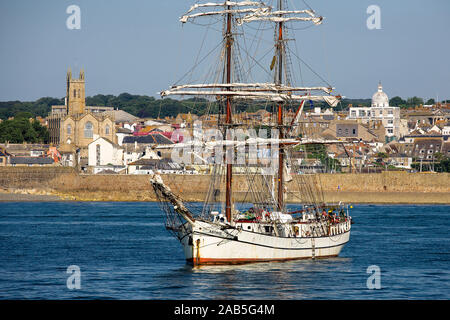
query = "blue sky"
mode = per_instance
[{"x": 138, "y": 46}]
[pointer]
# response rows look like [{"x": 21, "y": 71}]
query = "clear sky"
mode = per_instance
[{"x": 139, "y": 47}]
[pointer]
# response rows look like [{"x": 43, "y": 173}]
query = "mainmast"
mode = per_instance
[
  {"x": 278, "y": 81},
  {"x": 228, "y": 120}
]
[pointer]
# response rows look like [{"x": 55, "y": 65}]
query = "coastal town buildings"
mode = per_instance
[{"x": 102, "y": 139}]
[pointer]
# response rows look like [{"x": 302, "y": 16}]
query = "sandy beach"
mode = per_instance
[{"x": 330, "y": 197}]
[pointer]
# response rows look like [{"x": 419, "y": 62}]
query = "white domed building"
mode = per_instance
[
  {"x": 380, "y": 110},
  {"x": 380, "y": 99}
]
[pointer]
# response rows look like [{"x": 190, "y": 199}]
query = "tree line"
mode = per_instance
[
  {"x": 144, "y": 106},
  {"x": 40, "y": 107},
  {"x": 22, "y": 129}
]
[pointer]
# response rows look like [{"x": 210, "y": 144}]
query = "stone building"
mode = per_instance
[
  {"x": 355, "y": 130},
  {"x": 75, "y": 123},
  {"x": 79, "y": 129},
  {"x": 380, "y": 110},
  {"x": 426, "y": 148}
]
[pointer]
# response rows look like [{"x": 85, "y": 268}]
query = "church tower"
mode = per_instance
[{"x": 75, "y": 94}]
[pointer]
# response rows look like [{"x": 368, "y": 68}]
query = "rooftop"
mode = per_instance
[
  {"x": 154, "y": 138},
  {"x": 122, "y": 116},
  {"x": 30, "y": 160}
]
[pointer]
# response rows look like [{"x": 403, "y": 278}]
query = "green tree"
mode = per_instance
[
  {"x": 443, "y": 165},
  {"x": 42, "y": 134},
  {"x": 10, "y": 132},
  {"x": 414, "y": 101},
  {"x": 430, "y": 101},
  {"x": 319, "y": 151},
  {"x": 23, "y": 114},
  {"x": 19, "y": 130},
  {"x": 382, "y": 155},
  {"x": 439, "y": 156},
  {"x": 397, "y": 102}
]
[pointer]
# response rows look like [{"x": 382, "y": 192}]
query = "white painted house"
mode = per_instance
[
  {"x": 122, "y": 133},
  {"x": 104, "y": 152}
]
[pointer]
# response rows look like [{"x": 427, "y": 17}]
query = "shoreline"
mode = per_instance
[
  {"x": 380, "y": 198},
  {"x": 17, "y": 197}
]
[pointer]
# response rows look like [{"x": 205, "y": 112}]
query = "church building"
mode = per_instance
[{"x": 76, "y": 124}]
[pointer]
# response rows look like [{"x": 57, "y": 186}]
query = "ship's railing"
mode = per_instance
[{"x": 323, "y": 228}]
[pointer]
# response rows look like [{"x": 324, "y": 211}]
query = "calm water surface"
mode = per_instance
[{"x": 124, "y": 252}]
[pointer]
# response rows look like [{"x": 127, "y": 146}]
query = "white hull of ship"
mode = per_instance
[{"x": 209, "y": 243}]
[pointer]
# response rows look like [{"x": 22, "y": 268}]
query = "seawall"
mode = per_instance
[{"x": 386, "y": 187}]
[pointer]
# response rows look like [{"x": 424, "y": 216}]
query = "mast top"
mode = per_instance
[
  {"x": 244, "y": 7},
  {"x": 251, "y": 11},
  {"x": 243, "y": 12}
]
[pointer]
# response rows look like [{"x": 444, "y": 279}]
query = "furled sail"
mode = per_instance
[
  {"x": 254, "y": 8},
  {"x": 332, "y": 100},
  {"x": 255, "y": 11},
  {"x": 226, "y": 3},
  {"x": 281, "y": 16},
  {"x": 287, "y": 173},
  {"x": 253, "y": 95},
  {"x": 209, "y": 145},
  {"x": 248, "y": 86},
  {"x": 294, "y": 123}
]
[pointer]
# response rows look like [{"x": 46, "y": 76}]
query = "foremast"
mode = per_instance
[
  {"x": 228, "y": 120},
  {"x": 278, "y": 81}
]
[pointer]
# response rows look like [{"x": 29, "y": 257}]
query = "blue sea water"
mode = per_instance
[{"x": 124, "y": 252}]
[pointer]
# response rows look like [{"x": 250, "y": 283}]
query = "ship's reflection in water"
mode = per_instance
[{"x": 273, "y": 280}]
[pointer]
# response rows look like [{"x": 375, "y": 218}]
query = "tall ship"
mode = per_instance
[{"x": 267, "y": 222}]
